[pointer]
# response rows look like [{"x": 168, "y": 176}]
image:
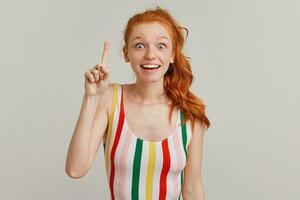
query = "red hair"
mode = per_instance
[{"x": 179, "y": 77}]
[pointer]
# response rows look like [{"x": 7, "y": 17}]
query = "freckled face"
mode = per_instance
[{"x": 149, "y": 51}]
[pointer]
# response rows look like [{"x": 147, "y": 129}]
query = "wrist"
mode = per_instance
[
  {"x": 91, "y": 98},
  {"x": 86, "y": 95}
]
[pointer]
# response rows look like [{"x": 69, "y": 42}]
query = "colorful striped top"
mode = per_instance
[{"x": 141, "y": 169}]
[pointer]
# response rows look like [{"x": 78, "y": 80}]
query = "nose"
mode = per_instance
[{"x": 150, "y": 53}]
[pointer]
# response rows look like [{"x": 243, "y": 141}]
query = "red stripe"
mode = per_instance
[
  {"x": 165, "y": 170},
  {"x": 114, "y": 147}
]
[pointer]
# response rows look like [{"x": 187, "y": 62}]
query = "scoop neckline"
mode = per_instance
[{"x": 173, "y": 132}]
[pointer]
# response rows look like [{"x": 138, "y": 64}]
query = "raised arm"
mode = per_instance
[{"x": 92, "y": 121}]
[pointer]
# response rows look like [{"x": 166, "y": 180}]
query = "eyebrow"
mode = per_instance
[{"x": 139, "y": 37}]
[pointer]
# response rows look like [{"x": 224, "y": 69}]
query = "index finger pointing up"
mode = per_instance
[{"x": 105, "y": 53}]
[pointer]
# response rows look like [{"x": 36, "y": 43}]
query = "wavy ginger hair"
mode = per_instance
[{"x": 179, "y": 77}]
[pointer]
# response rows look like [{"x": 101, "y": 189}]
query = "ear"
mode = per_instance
[{"x": 125, "y": 52}]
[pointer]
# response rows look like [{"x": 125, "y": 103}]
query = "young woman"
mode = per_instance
[{"x": 152, "y": 130}]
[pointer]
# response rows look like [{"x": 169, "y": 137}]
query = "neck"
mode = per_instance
[{"x": 149, "y": 93}]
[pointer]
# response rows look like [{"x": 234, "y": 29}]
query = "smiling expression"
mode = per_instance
[{"x": 149, "y": 51}]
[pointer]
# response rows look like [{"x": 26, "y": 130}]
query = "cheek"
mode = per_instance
[
  {"x": 135, "y": 57},
  {"x": 167, "y": 56}
]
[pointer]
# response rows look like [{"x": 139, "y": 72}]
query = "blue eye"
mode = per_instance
[
  {"x": 161, "y": 46},
  {"x": 139, "y": 45}
]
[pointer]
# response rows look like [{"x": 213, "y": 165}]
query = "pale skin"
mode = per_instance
[{"x": 148, "y": 44}]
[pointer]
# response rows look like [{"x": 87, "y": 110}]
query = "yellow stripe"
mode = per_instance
[
  {"x": 110, "y": 125},
  {"x": 150, "y": 171}
]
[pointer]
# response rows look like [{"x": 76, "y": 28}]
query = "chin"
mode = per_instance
[{"x": 152, "y": 79}]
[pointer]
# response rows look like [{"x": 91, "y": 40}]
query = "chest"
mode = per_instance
[{"x": 150, "y": 122}]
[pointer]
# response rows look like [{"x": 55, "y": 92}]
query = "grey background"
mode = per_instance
[{"x": 244, "y": 58}]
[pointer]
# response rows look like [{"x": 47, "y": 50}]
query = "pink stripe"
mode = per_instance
[
  {"x": 179, "y": 160},
  {"x": 123, "y": 159}
]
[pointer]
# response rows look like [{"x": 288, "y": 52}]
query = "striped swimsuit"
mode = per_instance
[{"x": 141, "y": 169}]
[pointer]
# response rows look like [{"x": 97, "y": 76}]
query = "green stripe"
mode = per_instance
[
  {"x": 183, "y": 130},
  {"x": 136, "y": 169},
  {"x": 184, "y": 140},
  {"x": 181, "y": 181}
]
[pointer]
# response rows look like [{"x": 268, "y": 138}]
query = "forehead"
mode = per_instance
[{"x": 150, "y": 31}]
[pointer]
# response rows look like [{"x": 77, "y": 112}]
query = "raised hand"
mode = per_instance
[{"x": 97, "y": 77}]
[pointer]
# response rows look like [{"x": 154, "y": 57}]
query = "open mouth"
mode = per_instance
[{"x": 150, "y": 67}]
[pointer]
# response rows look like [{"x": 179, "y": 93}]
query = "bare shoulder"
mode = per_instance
[
  {"x": 199, "y": 128},
  {"x": 103, "y": 110},
  {"x": 197, "y": 134},
  {"x": 107, "y": 98},
  {"x": 195, "y": 149}
]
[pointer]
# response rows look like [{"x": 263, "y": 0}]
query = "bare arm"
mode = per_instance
[
  {"x": 87, "y": 136},
  {"x": 193, "y": 185},
  {"x": 92, "y": 121}
]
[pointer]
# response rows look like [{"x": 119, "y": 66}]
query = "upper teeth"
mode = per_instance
[{"x": 150, "y": 66}]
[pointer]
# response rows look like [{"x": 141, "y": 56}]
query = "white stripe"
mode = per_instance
[
  {"x": 181, "y": 147},
  {"x": 173, "y": 165},
  {"x": 129, "y": 168},
  {"x": 143, "y": 171},
  {"x": 117, "y": 162}
]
